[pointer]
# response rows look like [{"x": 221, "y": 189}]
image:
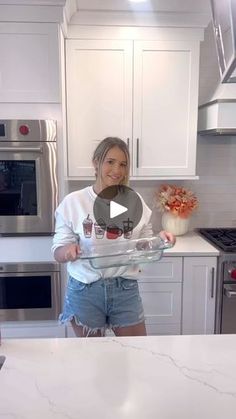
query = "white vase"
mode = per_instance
[{"x": 174, "y": 224}]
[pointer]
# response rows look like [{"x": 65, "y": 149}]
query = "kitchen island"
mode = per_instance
[{"x": 162, "y": 377}]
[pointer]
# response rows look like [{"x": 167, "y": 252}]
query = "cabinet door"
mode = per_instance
[
  {"x": 29, "y": 65},
  {"x": 99, "y": 98},
  {"x": 160, "y": 288},
  {"x": 165, "y": 107},
  {"x": 161, "y": 302},
  {"x": 199, "y": 295}
]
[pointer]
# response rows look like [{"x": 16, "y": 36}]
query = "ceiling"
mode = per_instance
[{"x": 200, "y": 6}]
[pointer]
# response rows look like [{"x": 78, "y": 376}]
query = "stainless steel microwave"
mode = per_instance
[{"x": 28, "y": 177}]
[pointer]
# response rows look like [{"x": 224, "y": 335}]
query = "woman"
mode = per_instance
[{"x": 99, "y": 298}]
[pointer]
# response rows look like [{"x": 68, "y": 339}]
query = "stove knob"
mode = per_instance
[{"x": 232, "y": 273}]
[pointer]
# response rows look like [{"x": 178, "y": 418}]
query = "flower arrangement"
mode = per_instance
[{"x": 179, "y": 201}]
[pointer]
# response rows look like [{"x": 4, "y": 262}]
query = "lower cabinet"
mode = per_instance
[
  {"x": 178, "y": 295},
  {"x": 160, "y": 288},
  {"x": 199, "y": 295},
  {"x": 46, "y": 329}
]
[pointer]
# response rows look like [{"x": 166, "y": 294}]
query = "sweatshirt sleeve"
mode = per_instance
[{"x": 64, "y": 233}]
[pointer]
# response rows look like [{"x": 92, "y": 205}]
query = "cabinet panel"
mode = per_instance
[
  {"x": 161, "y": 302},
  {"x": 199, "y": 295},
  {"x": 160, "y": 288},
  {"x": 99, "y": 98},
  {"x": 168, "y": 269},
  {"x": 165, "y": 107},
  {"x": 29, "y": 67}
]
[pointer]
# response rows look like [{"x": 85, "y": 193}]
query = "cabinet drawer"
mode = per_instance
[
  {"x": 161, "y": 302},
  {"x": 168, "y": 269},
  {"x": 22, "y": 331}
]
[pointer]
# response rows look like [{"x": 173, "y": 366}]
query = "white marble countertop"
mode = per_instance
[
  {"x": 164, "y": 377},
  {"x": 191, "y": 244},
  {"x": 38, "y": 249}
]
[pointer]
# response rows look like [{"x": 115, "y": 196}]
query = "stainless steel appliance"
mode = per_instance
[
  {"x": 28, "y": 177},
  {"x": 225, "y": 241},
  {"x": 29, "y": 291}
]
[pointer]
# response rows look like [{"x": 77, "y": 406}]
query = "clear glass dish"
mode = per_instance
[{"x": 128, "y": 252}]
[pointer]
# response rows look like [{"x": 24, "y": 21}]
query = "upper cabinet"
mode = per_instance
[
  {"x": 29, "y": 66},
  {"x": 165, "y": 92},
  {"x": 145, "y": 92},
  {"x": 99, "y": 98}
]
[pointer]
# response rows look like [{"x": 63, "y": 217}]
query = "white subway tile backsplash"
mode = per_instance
[{"x": 215, "y": 189}]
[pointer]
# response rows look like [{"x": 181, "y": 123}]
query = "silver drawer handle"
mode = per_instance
[
  {"x": 229, "y": 294},
  {"x": 212, "y": 282},
  {"x": 21, "y": 149},
  {"x": 137, "y": 155}
]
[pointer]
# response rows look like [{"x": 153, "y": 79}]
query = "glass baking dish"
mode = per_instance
[{"x": 128, "y": 252}]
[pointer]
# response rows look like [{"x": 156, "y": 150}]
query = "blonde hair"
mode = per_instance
[{"x": 102, "y": 149}]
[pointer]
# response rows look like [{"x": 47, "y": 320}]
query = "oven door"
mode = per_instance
[
  {"x": 28, "y": 187},
  {"x": 29, "y": 292},
  {"x": 228, "y": 323}
]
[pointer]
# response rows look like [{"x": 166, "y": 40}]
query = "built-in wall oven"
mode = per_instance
[
  {"x": 28, "y": 177},
  {"x": 29, "y": 291}
]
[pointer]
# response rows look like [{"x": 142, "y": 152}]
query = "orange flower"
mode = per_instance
[{"x": 180, "y": 201}]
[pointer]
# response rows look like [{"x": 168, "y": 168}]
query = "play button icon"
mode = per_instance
[{"x": 117, "y": 211}]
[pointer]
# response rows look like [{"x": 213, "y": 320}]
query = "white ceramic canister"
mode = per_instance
[{"x": 174, "y": 224}]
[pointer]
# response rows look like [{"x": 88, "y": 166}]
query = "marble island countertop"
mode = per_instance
[{"x": 165, "y": 377}]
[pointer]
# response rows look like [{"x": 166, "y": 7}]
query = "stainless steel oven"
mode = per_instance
[
  {"x": 29, "y": 291},
  {"x": 225, "y": 241},
  {"x": 28, "y": 177}
]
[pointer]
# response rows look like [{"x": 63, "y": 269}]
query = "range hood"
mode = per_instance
[
  {"x": 217, "y": 117},
  {"x": 224, "y": 24}
]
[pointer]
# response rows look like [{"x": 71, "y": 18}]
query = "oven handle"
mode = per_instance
[
  {"x": 229, "y": 292},
  {"x": 21, "y": 149}
]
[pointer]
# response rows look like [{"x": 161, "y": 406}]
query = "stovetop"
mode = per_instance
[{"x": 223, "y": 238}]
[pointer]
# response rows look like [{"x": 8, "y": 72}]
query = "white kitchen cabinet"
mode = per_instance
[
  {"x": 160, "y": 288},
  {"x": 21, "y": 329},
  {"x": 165, "y": 108},
  {"x": 142, "y": 91},
  {"x": 29, "y": 66},
  {"x": 99, "y": 98},
  {"x": 199, "y": 295}
]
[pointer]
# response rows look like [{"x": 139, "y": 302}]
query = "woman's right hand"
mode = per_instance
[
  {"x": 72, "y": 252},
  {"x": 68, "y": 253}
]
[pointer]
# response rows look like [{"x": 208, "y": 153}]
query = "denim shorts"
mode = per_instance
[{"x": 106, "y": 303}]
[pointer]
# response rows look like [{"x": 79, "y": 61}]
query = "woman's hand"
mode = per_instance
[
  {"x": 68, "y": 253},
  {"x": 167, "y": 236}
]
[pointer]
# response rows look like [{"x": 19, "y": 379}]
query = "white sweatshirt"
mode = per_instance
[{"x": 75, "y": 223}]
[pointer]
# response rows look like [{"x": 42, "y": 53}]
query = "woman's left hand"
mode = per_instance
[{"x": 166, "y": 235}]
